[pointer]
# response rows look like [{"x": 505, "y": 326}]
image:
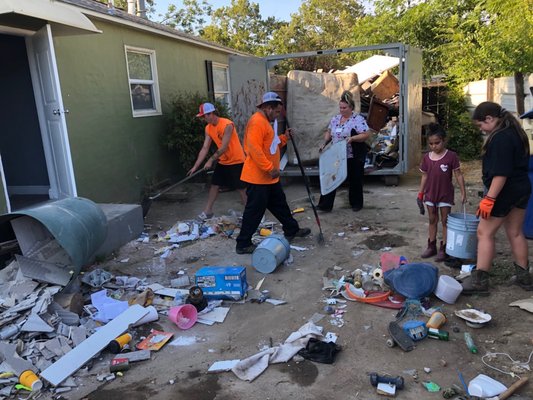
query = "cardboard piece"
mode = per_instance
[
  {"x": 155, "y": 340},
  {"x": 134, "y": 356},
  {"x": 42, "y": 271},
  {"x": 77, "y": 357},
  {"x": 217, "y": 315},
  {"x": 524, "y": 304}
]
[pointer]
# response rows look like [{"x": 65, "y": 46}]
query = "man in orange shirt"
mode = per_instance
[
  {"x": 229, "y": 155},
  {"x": 261, "y": 172}
]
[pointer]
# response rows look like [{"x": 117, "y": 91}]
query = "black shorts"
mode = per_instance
[
  {"x": 228, "y": 176},
  {"x": 504, "y": 205}
]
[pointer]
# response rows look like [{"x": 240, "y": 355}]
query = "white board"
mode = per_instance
[
  {"x": 332, "y": 166},
  {"x": 78, "y": 356}
]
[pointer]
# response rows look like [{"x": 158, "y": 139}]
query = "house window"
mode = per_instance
[
  {"x": 221, "y": 83},
  {"x": 142, "y": 76}
]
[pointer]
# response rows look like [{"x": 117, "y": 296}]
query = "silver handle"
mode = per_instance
[{"x": 58, "y": 111}]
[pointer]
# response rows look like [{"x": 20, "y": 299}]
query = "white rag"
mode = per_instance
[
  {"x": 276, "y": 141},
  {"x": 253, "y": 366}
]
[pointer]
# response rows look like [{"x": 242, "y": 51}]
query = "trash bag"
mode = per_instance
[
  {"x": 319, "y": 351},
  {"x": 413, "y": 281}
]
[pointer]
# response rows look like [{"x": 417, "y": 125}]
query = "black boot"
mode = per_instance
[
  {"x": 476, "y": 283},
  {"x": 523, "y": 277}
]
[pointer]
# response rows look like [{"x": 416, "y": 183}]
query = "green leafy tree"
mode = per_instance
[
  {"x": 318, "y": 25},
  {"x": 241, "y": 27},
  {"x": 191, "y": 18},
  {"x": 493, "y": 39}
]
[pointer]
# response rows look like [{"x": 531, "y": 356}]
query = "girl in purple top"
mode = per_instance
[{"x": 436, "y": 188}]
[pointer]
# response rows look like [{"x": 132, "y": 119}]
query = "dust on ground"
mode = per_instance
[{"x": 390, "y": 219}]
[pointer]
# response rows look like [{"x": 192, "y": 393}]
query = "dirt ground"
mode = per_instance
[{"x": 393, "y": 220}]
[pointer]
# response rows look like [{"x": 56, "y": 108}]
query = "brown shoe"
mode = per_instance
[
  {"x": 431, "y": 250},
  {"x": 523, "y": 277},
  {"x": 476, "y": 283},
  {"x": 441, "y": 255}
]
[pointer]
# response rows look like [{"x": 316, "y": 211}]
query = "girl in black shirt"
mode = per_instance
[{"x": 507, "y": 190}]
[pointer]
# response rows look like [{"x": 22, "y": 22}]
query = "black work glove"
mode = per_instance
[{"x": 420, "y": 203}]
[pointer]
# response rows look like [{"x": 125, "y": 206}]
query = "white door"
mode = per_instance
[{"x": 51, "y": 113}]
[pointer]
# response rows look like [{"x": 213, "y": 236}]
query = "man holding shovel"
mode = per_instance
[
  {"x": 261, "y": 172},
  {"x": 229, "y": 157}
]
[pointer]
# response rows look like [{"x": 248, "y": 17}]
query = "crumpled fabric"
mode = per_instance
[
  {"x": 413, "y": 281},
  {"x": 250, "y": 368},
  {"x": 319, "y": 351}
]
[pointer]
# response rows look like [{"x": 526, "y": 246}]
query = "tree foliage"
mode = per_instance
[
  {"x": 241, "y": 27},
  {"x": 191, "y": 18},
  {"x": 318, "y": 25}
]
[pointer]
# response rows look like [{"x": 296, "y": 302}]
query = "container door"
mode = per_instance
[
  {"x": 412, "y": 86},
  {"x": 248, "y": 82}
]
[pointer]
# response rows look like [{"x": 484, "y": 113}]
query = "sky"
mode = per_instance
[{"x": 281, "y": 9}]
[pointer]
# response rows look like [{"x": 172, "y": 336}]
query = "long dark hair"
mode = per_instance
[{"x": 506, "y": 119}]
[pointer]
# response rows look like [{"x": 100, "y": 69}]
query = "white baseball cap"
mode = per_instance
[
  {"x": 270, "y": 96},
  {"x": 205, "y": 108}
]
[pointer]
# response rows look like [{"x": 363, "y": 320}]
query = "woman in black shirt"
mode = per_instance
[{"x": 507, "y": 190}]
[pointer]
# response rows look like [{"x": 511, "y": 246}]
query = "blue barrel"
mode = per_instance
[
  {"x": 461, "y": 240},
  {"x": 270, "y": 253},
  {"x": 528, "y": 221}
]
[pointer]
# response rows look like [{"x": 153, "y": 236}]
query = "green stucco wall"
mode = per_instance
[{"x": 114, "y": 154}]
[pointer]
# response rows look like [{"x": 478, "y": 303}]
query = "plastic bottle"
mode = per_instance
[
  {"x": 436, "y": 320},
  {"x": 116, "y": 345},
  {"x": 470, "y": 343},
  {"x": 438, "y": 334},
  {"x": 358, "y": 278}
]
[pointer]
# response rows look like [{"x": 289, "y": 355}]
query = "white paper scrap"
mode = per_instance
[
  {"x": 183, "y": 341},
  {"x": 275, "y": 302},
  {"x": 222, "y": 366}
]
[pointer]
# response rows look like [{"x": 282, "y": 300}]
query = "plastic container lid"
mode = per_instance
[
  {"x": 484, "y": 386},
  {"x": 448, "y": 289}
]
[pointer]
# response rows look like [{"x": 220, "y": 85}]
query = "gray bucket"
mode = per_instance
[
  {"x": 461, "y": 239},
  {"x": 270, "y": 253}
]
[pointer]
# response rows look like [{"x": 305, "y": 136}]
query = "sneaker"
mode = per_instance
[
  {"x": 203, "y": 216},
  {"x": 245, "y": 250},
  {"x": 322, "y": 209},
  {"x": 302, "y": 232}
]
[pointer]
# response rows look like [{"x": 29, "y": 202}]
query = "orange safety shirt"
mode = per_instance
[
  {"x": 259, "y": 162},
  {"x": 234, "y": 154}
]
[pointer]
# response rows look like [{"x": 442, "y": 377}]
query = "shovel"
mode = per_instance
[
  {"x": 306, "y": 182},
  {"x": 147, "y": 201}
]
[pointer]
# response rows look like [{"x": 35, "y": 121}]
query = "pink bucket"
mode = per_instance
[{"x": 183, "y": 316}]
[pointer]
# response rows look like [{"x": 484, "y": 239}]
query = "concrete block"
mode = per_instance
[{"x": 124, "y": 223}]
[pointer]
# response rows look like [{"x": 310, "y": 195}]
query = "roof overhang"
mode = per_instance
[{"x": 66, "y": 17}]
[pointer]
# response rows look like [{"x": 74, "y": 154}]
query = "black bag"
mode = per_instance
[
  {"x": 319, "y": 351},
  {"x": 359, "y": 149}
]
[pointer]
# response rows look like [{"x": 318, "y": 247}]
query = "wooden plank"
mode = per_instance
[{"x": 77, "y": 357}]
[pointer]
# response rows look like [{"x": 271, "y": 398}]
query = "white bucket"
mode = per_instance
[
  {"x": 270, "y": 253},
  {"x": 448, "y": 289},
  {"x": 461, "y": 239}
]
